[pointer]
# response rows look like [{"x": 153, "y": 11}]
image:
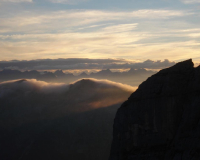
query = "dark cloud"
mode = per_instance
[{"x": 75, "y": 63}]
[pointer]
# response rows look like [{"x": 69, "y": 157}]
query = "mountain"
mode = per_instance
[
  {"x": 59, "y": 73},
  {"x": 133, "y": 77},
  {"x": 104, "y": 72},
  {"x": 10, "y": 74},
  {"x": 40, "y": 120},
  {"x": 138, "y": 71},
  {"x": 30, "y": 74},
  {"x": 83, "y": 74},
  {"x": 161, "y": 119}
]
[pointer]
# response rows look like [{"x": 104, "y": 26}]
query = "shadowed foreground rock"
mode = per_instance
[{"x": 161, "y": 120}]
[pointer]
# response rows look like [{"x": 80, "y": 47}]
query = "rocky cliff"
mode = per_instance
[{"x": 161, "y": 120}]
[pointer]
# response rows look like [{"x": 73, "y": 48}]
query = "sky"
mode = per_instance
[{"x": 100, "y": 29}]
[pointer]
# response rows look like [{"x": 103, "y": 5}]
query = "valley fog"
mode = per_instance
[{"x": 40, "y": 120}]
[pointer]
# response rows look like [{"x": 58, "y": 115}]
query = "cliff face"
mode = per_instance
[{"x": 161, "y": 120}]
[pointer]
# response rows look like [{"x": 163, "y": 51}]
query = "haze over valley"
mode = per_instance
[{"x": 42, "y": 120}]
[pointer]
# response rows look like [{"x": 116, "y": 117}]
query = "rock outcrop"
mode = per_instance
[{"x": 161, "y": 120}]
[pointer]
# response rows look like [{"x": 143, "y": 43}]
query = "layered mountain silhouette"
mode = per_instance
[
  {"x": 161, "y": 119},
  {"x": 40, "y": 120},
  {"x": 133, "y": 77}
]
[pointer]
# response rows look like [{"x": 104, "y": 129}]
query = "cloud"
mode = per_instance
[
  {"x": 72, "y": 2},
  {"x": 74, "y": 64},
  {"x": 30, "y": 35},
  {"x": 190, "y": 1},
  {"x": 33, "y": 34},
  {"x": 157, "y": 14},
  {"x": 31, "y": 85},
  {"x": 120, "y": 28},
  {"x": 74, "y": 43},
  {"x": 16, "y": 1},
  {"x": 107, "y": 84},
  {"x": 47, "y": 21},
  {"x": 90, "y": 45},
  {"x": 82, "y": 95}
]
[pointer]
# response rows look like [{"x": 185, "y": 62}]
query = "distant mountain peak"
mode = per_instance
[
  {"x": 105, "y": 71},
  {"x": 85, "y": 82},
  {"x": 83, "y": 74},
  {"x": 59, "y": 72},
  {"x": 140, "y": 70}
]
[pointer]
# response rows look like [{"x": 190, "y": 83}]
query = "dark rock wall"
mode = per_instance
[{"x": 161, "y": 120}]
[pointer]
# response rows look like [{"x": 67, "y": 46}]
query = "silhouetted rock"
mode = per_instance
[{"x": 161, "y": 120}]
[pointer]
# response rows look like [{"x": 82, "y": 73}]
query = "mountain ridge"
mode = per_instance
[
  {"x": 161, "y": 118},
  {"x": 130, "y": 78}
]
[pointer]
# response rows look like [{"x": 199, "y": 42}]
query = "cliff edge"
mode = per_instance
[{"x": 161, "y": 120}]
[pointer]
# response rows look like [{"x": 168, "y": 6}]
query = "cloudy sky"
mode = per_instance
[{"x": 121, "y": 29}]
